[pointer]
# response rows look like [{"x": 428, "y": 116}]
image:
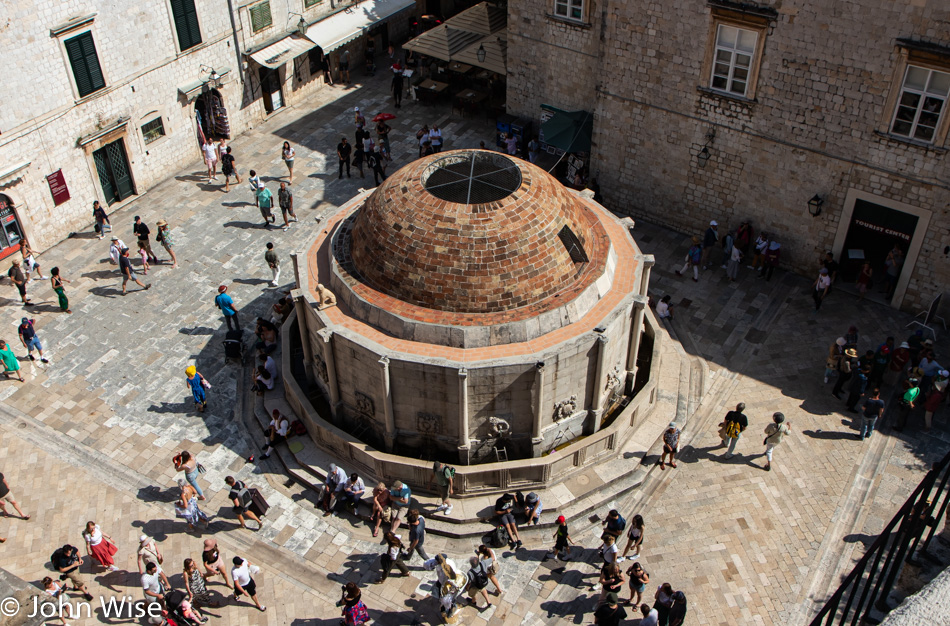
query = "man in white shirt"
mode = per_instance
[
  {"x": 115, "y": 250},
  {"x": 333, "y": 488},
  {"x": 154, "y": 583},
  {"x": 277, "y": 432},
  {"x": 354, "y": 490},
  {"x": 268, "y": 362},
  {"x": 435, "y": 138}
]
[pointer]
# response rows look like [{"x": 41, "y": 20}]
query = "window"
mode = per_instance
[
  {"x": 315, "y": 56},
  {"x": 153, "y": 130},
  {"x": 570, "y": 9},
  {"x": 309, "y": 3},
  {"x": 260, "y": 16},
  {"x": 922, "y": 100},
  {"x": 186, "y": 23},
  {"x": 81, "y": 51},
  {"x": 573, "y": 245},
  {"x": 732, "y": 64}
]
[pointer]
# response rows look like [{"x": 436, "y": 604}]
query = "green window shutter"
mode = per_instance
[
  {"x": 186, "y": 23},
  {"x": 82, "y": 55},
  {"x": 309, "y": 3},
  {"x": 260, "y": 16}
]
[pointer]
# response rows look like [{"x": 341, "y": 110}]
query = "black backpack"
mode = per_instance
[
  {"x": 478, "y": 577},
  {"x": 499, "y": 538}
]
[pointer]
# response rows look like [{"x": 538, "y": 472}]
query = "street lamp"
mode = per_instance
[
  {"x": 480, "y": 53},
  {"x": 703, "y": 156},
  {"x": 301, "y": 24},
  {"x": 213, "y": 76},
  {"x": 814, "y": 205}
]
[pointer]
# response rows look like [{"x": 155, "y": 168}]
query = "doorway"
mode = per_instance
[
  {"x": 271, "y": 89},
  {"x": 112, "y": 166},
  {"x": 11, "y": 233}
]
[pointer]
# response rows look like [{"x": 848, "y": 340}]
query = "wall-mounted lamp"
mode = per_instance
[
  {"x": 815, "y": 204},
  {"x": 301, "y": 24},
  {"x": 480, "y": 53},
  {"x": 703, "y": 156},
  {"x": 213, "y": 76}
]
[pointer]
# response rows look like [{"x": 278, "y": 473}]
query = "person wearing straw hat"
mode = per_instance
[
  {"x": 164, "y": 237},
  {"x": 846, "y": 366}
]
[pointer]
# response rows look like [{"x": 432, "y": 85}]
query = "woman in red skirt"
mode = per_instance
[{"x": 100, "y": 546}]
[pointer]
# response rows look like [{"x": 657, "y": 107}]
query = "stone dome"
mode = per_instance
[{"x": 472, "y": 232}]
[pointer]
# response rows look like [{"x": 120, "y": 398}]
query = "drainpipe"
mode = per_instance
[{"x": 237, "y": 43}]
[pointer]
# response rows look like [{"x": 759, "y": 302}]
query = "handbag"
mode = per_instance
[
  {"x": 201, "y": 468},
  {"x": 98, "y": 228},
  {"x": 205, "y": 383}
]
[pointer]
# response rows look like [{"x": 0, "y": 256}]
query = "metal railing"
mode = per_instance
[{"x": 867, "y": 587}]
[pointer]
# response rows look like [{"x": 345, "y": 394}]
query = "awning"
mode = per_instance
[
  {"x": 483, "y": 18},
  {"x": 276, "y": 54},
  {"x": 442, "y": 42},
  {"x": 569, "y": 131},
  {"x": 11, "y": 175},
  {"x": 195, "y": 88},
  {"x": 496, "y": 53},
  {"x": 345, "y": 26}
]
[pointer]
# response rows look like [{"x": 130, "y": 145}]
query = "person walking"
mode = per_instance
[
  {"x": 710, "y": 239},
  {"x": 211, "y": 160},
  {"x": 483, "y": 552},
  {"x": 358, "y": 117},
  {"x": 907, "y": 401},
  {"x": 693, "y": 259},
  {"x": 374, "y": 161},
  {"x": 285, "y": 199},
  {"x": 734, "y": 423},
  {"x": 196, "y": 585},
  {"x": 417, "y": 534},
  {"x": 125, "y": 266},
  {"x": 224, "y": 302},
  {"x": 244, "y": 584},
  {"x": 30, "y": 340},
  {"x": 671, "y": 440},
  {"x": 562, "y": 541},
  {"x": 382, "y": 511},
  {"x": 265, "y": 201},
  {"x": 11, "y": 364},
  {"x": 100, "y": 546},
  {"x": 240, "y": 497},
  {"x": 772, "y": 256},
  {"x": 186, "y": 507},
  {"x": 213, "y": 562},
  {"x": 639, "y": 578},
  {"x": 354, "y": 611},
  {"x": 735, "y": 258},
  {"x": 343, "y": 151},
  {"x": 56, "y": 282},
  {"x": 774, "y": 433},
  {"x": 155, "y": 585},
  {"x": 148, "y": 552},
  {"x": 677, "y": 614},
  {"x": 186, "y": 462},
  {"x": 142, "y": 233},
  {"x": 198, "y": 384},
  {"x": 18, "y": 278},
  {"x": 846, "y": 366},
  {"x": 634, "y": 537},
  {"x": 102, "y": 219},
  {"x": 821, "y": 287},
  {"x": 29, "y": 261},
  {"x": 872, "y": 411},
  {"x": 382, "y": 135},
  {"x": 115, "y": 250},
  {"x": 613, "y": 525},
  {"x": 164, "y": 237},
  {"x": 435, "y": 138},
  {"x": 273, "y": 263},
  {"x": 143, "y": 256},
  {"x": 6, "y": 497},
  {"x": 66, "y": 561},
  {"x": 228, "y": 169},
  {"x": 287, "y": 154},
  {"x": 392, "y": 556},
  {"x": 478, "y": 581},
  {"x": 444, "y": 476}
]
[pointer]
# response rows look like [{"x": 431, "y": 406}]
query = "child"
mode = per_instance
[
  {"x": 191, "y": 613},
  {"x": 561, "y": 540},
  {"x": 55, "y": 590},
  {"x": 143, "y": 253},
  {"x": 864, "y": 279},
  {"x": 255, "y": 183}
]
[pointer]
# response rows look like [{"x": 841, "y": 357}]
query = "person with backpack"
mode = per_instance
[
  {"x": 484, "y": 552},
  {"x": 444, "y": 481},
  {"x": 693, "y": 259},
  {"x": 504, "y": 510},
  {"x": 732, "y": 428},
  {"x": 614, "y": 525},
  {"x": 66, "y": 561},
  {"x": 774, "y": 433},
  {"x": 478, "y": 580},
  {"x": 241, "y": 497},
  {"x": 417, "y": 534},
  {"x": 354, "y": 611},
  {"x": 562, "y": 541},
  {"x": 392, "y": 556}
]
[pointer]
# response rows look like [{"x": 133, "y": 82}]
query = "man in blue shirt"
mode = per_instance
[
  {"x": 399, "y": 501},
  {"x": 224, "y": 302}
]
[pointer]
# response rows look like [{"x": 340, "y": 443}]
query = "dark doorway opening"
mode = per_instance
[
  {"x": 271, "y": 89},
  {"x": 112, "y": 166},
  {"x": 872, "y": 234}
]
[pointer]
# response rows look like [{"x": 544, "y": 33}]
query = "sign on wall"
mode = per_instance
[{"x": 57, "y": 186}]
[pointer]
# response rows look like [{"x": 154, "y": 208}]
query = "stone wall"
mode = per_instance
[{"x": 817, "y": 122}]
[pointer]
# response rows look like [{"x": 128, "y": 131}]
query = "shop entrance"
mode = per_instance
[
  {"x": 872, "y": 234},
  {"x": 211, "y": 116},
  {"x": 271, "y": 89},
  {"x": 11, "y": 233},
  {"x": 112, "y": 166}
]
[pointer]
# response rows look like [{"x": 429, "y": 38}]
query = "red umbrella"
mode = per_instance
[{"x": 382, "y": 117}]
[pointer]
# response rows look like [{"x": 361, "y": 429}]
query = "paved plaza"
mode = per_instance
[{"x": 91, "y": 435}]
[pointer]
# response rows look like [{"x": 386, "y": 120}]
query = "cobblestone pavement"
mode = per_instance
[{"x": 91, "y": 435}]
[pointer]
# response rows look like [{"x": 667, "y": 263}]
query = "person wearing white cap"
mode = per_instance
[
  {"x": 821, "y": 287},
  {"x": 835, "y": 353},
  {"x": 360, "y": 120},
  {"x": 115, "y": 250},
  {"x": 148, "y": 553},
  {"x": 710, "y": 239},
  {"x": 900, "y": 357},
  {"x": 936, "y": 397},
  {"x": 671, "y": 441}
]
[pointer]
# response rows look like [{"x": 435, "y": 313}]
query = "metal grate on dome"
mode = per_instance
[{"x": 472, "y": 177}]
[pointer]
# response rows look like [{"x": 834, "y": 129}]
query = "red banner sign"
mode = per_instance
[{"x": 57, "y": 186}]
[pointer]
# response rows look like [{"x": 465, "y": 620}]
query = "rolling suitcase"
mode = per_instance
[{"x": 258, "y": 504}]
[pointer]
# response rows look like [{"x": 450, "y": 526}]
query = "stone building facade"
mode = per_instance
[
  {"x": 107, "y": 91},
  {"x": 745, "y": 111}
]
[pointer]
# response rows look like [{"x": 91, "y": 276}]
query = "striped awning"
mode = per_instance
[
  {"x": 276, "y": 54},
  {"x": 348, "y": 24}
]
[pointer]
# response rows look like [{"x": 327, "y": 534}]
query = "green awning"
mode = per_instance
[{"x": 569, "y": 131}]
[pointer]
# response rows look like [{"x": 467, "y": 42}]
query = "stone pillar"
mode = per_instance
[
  {"x": 647, "y": 261},
  {"x": 326, "y": 334},
  {"x": 599, "y": 377},
  {"x": 295, "y": 262},
  {"x": 539, "y": 405},
  {"x": 390, "y": 434},
  {"x": 636, "y": 328},
  {"x": 303, "y": 325},
  {"x": 465, "y": 446}
]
